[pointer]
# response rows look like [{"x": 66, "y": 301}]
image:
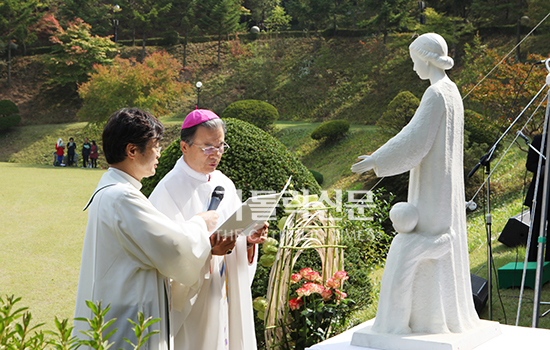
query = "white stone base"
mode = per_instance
[{"x": 487, "y": 330}]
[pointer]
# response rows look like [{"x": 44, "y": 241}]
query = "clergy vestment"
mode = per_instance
[
  {"x": 129, "y": 250},
  {"x": 426, "y": 283},
  {"x": 219, "y": 315}
]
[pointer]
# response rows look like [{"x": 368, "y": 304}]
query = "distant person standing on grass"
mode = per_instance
[
  {"x": 86, "y": 150},
  {"x": 59, "y": 151},
  {"x": 130, "y": 248},
  {"x": 94, "y": 154},
  {"x": 71, "y": 147}
]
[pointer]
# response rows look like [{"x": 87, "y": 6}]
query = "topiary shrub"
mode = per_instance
[
  {"x": 255, "y": 161},
  {"x": 7, "y": 107},
  {"x": 8, "y": 116},
  {"x": 255, "y": 112},
  {"x": 9, "y": 121},
  {"x": 331, "y": 130},
  {"x": 398, "y": 113},
  {"x": 318, "y": 176}
]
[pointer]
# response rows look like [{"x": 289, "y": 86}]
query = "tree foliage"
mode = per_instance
[
  {"x": 507, "y": 90},
  {"x": 151, "y": 85},
  {"x": 75, "y": 52}
]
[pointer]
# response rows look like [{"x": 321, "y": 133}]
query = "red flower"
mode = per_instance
[
  {"x": 340, "y": 295},
  {"x": 314, "y": 287},
  {"x": 305, "y": 271},
  {"x": 295, "y": 278},
  {"x": 326, "y": 294},
  {"x": 341, "y": 275},
  {"x": 303, "y": 292},
  {"x": 313, "y": 276},
  {"x": 333, "y": 283},
  {"x": 295, "y": 304}
]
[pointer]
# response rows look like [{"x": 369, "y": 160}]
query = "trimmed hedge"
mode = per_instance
[
  {"x": 256, "y": 161},
  {"x": 7, "y": 107},
  {"x": 398, "y": 113},
  {"x": 8, "y": 114},
  {"x": 331, "y": 130},
  {"x": 9, "y": 121},
  {"x": 255, "y": 112},
  {"x": 318, "y": 176}
]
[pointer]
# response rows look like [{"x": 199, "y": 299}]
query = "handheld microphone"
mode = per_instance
[
  {"x": 217, "y": 196},
  {"x": 520, "y": 134}
]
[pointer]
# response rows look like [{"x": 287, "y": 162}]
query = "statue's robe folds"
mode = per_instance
[{"x": 426, "y": 285}]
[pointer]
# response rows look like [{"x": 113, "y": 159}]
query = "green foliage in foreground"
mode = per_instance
[
  {"x": 331, "y": 130},
  {"x": 256, "y": 161},
  {"x": 7, "y": 107},
  {"x": 18, "y": 333}
]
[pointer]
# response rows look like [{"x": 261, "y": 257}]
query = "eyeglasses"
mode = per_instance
[{"x": 210, "y": 150}]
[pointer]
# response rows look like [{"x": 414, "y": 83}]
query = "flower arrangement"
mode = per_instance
[{"x": 318, "y": 306}]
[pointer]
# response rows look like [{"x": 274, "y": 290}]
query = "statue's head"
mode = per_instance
[{"x": 432, "y": 48}]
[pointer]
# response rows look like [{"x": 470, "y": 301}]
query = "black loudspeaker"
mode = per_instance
[
  {"x": 480, "y": 291},
  {"x": 516, "y": 230}
]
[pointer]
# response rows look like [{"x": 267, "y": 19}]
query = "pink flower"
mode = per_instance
[
  {"x": 305, "y": 271},
  {"x": 333, "y": 283},
  {"x": 313, "y": 276},
  {"x": 295, "y": 304},
  {"x": 303, "y": 292},
  {"x": 341, "y": 275},
  {"x": 326, "y": 294},
  {"x": 314, "y": 287},
  {"x": 295, "y": 278},
  {"x": 340, "y": 295}
]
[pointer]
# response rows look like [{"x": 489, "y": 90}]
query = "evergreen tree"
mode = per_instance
[
  {"x": 390, "y": 14},
  {"x": 16, "y": 16},
  {"x": 221, "y": 18}
]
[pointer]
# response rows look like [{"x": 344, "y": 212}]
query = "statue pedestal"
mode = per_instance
[{"x": 487, "y": 330}]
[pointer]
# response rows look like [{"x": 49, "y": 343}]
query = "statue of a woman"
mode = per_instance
[{"x": 426, "y": 284}]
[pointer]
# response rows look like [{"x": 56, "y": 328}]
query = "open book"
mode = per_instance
[{"x": 252, "y": 214}]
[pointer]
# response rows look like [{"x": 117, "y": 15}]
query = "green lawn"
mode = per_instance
[{"x": 42, "y": 229}]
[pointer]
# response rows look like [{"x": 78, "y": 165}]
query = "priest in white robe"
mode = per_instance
[
  {"x": 130, "y": 248},
  {"x": 219, "y": 315}
]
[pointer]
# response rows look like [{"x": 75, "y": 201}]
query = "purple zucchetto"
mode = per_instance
[{"x": 198, "y": 116}]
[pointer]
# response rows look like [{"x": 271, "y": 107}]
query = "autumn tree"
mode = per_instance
[
  {"x": 152, "y": 85},
  {"x": 504, "y": 93}
]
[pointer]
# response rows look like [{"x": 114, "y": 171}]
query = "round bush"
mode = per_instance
[
  {"x": 7, "y": 107},
  {"x": 255, "y": 112},
  {"x": 318, "y": 176},
  {"x": 331, "y": 130},
  {"x": 9, "y": 121},
  {"x": 255, "y": 161},
  {"x": 398, "y": 113}
]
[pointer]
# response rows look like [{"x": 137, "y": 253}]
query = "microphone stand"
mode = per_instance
[
  {"x": 485, "y": 160},
  {"x": 544, "y": 212}
]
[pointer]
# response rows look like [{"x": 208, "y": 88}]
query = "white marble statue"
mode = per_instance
[{"x": 426, "y": 284}]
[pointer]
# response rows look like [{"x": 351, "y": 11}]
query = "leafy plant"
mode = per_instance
[
  {"x": 98, "y": 325},
  {"x": 324, "y": 307}
]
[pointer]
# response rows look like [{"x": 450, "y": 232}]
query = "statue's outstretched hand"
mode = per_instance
[{"x": 366, "y": 164}]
